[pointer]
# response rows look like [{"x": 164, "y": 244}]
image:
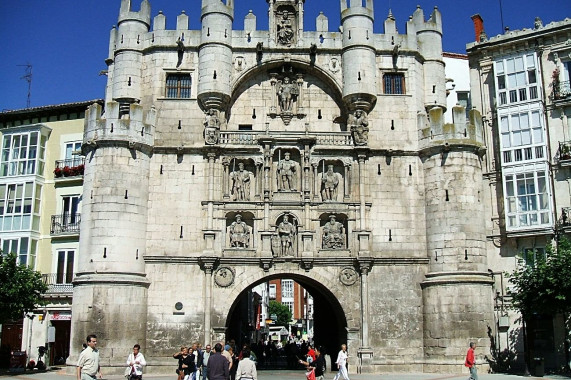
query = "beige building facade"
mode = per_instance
[
  {"x": 520, "y": 81},
  {"x": 225, "y": 158}
]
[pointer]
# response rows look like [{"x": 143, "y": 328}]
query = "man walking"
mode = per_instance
[
  {"x": 204, "y": 363},
  {"x": 471, "y": 362},
  {"x": 88, "y": 363},
  {"x": 218, "y": 366}
]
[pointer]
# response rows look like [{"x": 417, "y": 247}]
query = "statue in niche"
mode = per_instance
[
  {"x": 287, "y": 173},
  {"x": 333, "y": 234},
  {"x": 330, "y": 183},
  {"x": 211, "y": 127},
  {"x": 285, "y": 30},
  {"x": 286, "y": 232},
  {"x": 287, "y": 92},
  {"x": 239, "y": 233},
  {"x": 241, "y": 183},
  {"x": 359, "y": 124}
]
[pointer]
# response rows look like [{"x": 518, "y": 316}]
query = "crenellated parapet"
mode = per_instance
[
  {"x": 137, "y": 129},
  {"x": 464, "y": 132},
  {"x": 142, "y": 16}
]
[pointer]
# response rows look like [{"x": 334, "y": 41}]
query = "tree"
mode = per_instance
[
  {"x": 545, "y": 286},
  {"x": 282, "y": 313},
  {"x": 20, "y": 288}
]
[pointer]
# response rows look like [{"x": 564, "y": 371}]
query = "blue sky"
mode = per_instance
[{"x": 66, "y": 41}]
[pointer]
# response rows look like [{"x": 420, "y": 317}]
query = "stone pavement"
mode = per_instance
[{"x": 293, "y": 375}]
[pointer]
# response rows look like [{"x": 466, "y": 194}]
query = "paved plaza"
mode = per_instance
[{"x": 296, "y": 375}]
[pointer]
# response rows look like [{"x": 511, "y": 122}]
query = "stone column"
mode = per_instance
[
  {"x": 226, "y": 178},
  {"x": 299, "y": 82},
  {"x": 208, "y": 266},
  {"x": 347, "y": 182},
  {"x": 362, "y": 221},
  {"x": 259, "y": 184},
  {"x": 273, "y": 107},
  {"x": 316, "y": 178},
  {"x": 210, "y": 217},
  {"x": 365, "y": 353}
]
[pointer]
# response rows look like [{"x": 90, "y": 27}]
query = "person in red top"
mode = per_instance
[
  {"x": 311, "y": 353},
  {"x": 471, "y": 361}
]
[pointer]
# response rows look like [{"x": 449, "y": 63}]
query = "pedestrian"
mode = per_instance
[
  {"x": 218, "y": 366},
  {"x": 471, "y": 361},
  {"x": 185, "y": 363},
  {"x": 318, "y": 364},
  {"x": 246, "y": 367},
  {"x": 197, "y": 359},
  {"x": 342, "y": 363},
  {"x": 136, "y": 361},
  {"x": 204, "y": 362},
  {"x": 88, "y": 362},
  {"x": 227, "y": 355}
]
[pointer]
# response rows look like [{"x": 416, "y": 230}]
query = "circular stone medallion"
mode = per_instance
[
  {"x": 224, "y": 276},
  {"x": 348, "y": 276}
]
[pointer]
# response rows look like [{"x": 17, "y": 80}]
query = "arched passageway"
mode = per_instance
[{"x": 329, "y": 324}]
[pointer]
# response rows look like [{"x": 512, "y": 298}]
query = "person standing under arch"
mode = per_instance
[{"x": 342, "y": 363}]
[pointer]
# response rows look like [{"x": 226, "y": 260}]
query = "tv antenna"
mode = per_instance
[{"x": 28, "y": 78}]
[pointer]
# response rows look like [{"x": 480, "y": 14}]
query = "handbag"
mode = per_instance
[{"x": 310, "y": 375}]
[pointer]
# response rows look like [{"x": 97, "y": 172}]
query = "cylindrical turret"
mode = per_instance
[
  {"x": 131, "y": 28},
  {"x": 359, "y": 67},
  {"x": 215, "y": 54},
  {"x": 429, "y": 36},
  {"x": 457, "y": 290}
]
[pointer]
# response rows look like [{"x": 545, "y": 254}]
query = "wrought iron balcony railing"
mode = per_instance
[
  {"x": 58, "y": 282},
  {"x": 65, "y": 224},
  {"x": 71, "y": 167},
  {"x": 561, "y": 90}
]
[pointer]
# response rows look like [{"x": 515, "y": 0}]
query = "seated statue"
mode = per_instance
[
  {"x": 333, "y": 234},
  {"x": 239, "y": 233}
]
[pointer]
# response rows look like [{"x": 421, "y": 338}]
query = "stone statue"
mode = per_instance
[
  {"x": 286, "y": 93},
  {"x": 287, "y": 173},
  {"x": 333, "y": 234},
  {"x": 211, "y": 127},
  {"x": 286, "y": 233},
  {"x": 285, "y": 30},
  {"x": 239, "y": 233},
  {"x": 359, "y": 124},
  {"x": 330, "y": 182},
  {"x": 241, "y": 183}
]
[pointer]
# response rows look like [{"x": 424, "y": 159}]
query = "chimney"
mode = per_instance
[{"x": 478, "y": 25}]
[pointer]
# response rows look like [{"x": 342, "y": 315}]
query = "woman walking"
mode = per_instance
[{"x": 342, "y": 363}]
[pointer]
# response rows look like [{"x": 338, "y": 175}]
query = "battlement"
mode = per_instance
[
  {"x": 355, "y": 8},
  {"x": 136, "y": 127},
  {"x": 143, "y": 15},
  {"x": 433, "y": 24},
  {"x": 434, "y": 132},
  {"x": 218, "y": 6}
]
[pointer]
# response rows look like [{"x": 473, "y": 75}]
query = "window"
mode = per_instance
[
  {"x": 245, "y": 127},
  {"x": 20, "y": 154},
  {"x": 522, "y": 137},
  {"x": 17, "y": 206},
  {"x": 516, "y": 79},
  {"x": 273, "y": 291},
  {"x": 73, "y": 154},
  {"x": 178, "y": 86},
  {"x": 393, "y": 83},
  {"x": 287, "y": 289},
  {"x": 527, "y": 199},
  {"x": 464, "y": 100},
  {"x": 70, "y": 207},
  {"x": 531, "y": 255},
  {"x": 289, "y": 304},
  {"x": 24, "y": 247},
  {"x": 64, "y": 271}
]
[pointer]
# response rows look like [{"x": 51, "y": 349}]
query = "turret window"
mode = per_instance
[
  {"x": 178, "y": 86},
  {"x": 393, "y": 83}
]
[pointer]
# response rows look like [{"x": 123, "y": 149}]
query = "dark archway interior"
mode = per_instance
[{"x": 329, "y": 322}]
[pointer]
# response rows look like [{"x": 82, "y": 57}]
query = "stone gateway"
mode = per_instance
[{"x": 393, "y": 249}]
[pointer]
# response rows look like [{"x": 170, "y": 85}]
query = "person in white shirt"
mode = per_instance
[
  {"x": 136, "y": 361},
  {"x": 246, "y": 367},
  {"x": 342, "y": 363}
]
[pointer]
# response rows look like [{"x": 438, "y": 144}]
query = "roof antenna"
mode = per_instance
[{"x": 28, "y": 78}]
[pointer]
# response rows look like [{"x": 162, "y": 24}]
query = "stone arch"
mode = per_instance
[{"x": 334, "y": 299}]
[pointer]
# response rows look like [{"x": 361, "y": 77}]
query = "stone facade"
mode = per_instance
[{"x": 347, "y": 124}]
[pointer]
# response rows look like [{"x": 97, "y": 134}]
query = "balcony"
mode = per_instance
[
  {"x": 57, "y": 283},
  {"x": 66, "y": 224},
  {"x": 252, "y": 137},
  {"x": 70, "y": 168},
  {"x": 561, "y": 90},
  {"x": 563, "y": 155}
]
